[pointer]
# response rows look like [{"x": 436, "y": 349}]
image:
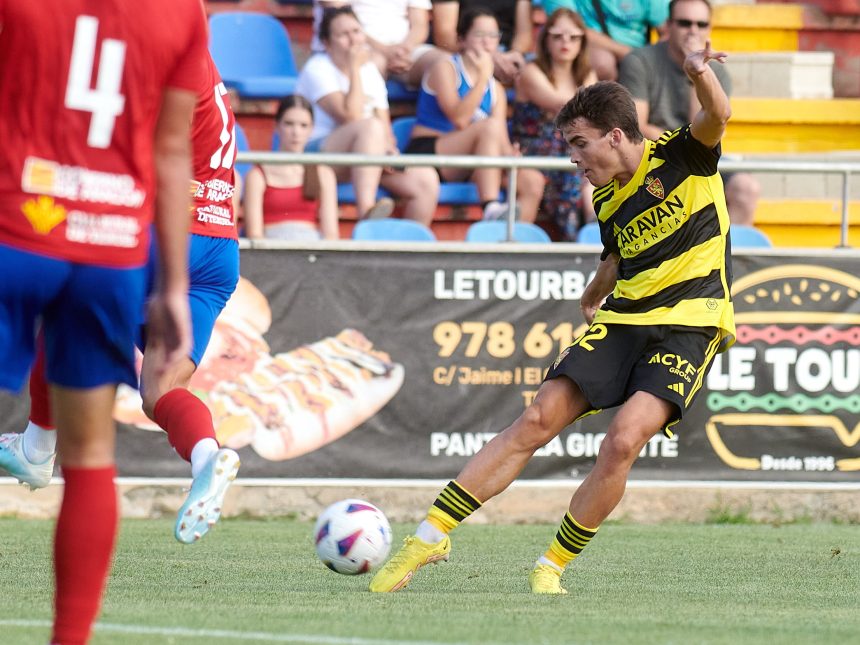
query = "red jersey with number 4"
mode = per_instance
[
  {"x": 214, "y": 142},
  {"x": 81, "y": 86}
]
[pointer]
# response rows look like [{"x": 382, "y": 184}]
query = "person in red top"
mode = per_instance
[
  {"x": 97, "y": 101},
  {"x": 292, "y": 202},
  {"x": 213, "y": 274}
]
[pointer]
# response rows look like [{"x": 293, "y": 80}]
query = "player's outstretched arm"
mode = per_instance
[
  {"x": 168, "y": 324},
  {"x": 710, "y": 123},
  {"x": 601, "y": 286}
]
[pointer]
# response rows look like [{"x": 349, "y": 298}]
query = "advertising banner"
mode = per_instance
[{"x": 401, "y": 365}]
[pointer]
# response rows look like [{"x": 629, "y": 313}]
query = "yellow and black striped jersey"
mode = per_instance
[{"x": 669, "y": 225}]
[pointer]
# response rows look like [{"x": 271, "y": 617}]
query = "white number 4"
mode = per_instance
[{"x": 105, "y": 101}]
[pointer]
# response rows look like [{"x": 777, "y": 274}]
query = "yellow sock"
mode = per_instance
[
  {"x": 453, "y": 505},
  {"x": 571, "y": 539}
]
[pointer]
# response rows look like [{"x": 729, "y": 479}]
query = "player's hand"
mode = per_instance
[
  {"x": 697, "y": 62},
  {"x": 168, "y": 329},
  {"x": 589, "y": 311}
]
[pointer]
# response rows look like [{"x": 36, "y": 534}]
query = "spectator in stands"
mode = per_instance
[
  {"x": 291, "y": 202},
  {"x": 664, "y": 97},
  {"x": 462, "y": 110},
  {"x": 615, "y": 28},
  {"x": 546, "y": 84},
  {"x": 515, "y": 26},
  {"x": 350, "y": 105},
  {"x": 397, "y": 32}
]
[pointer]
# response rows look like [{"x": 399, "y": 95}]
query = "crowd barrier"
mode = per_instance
[{"x": 512, "y": 164}]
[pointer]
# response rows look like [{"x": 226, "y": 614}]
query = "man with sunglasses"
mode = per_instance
[{"x": 664, "y": 96}]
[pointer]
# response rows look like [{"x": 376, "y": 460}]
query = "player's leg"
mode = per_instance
[
  {"x": 497, "y": 464},
  {"x": 214, "y": 272},
  {"x": 89, "y": 348},
  {"x": 87, "y": 522},
  {"x": 643, "y": 416},
  {"x": 29, "y": 456},
  {"x": 30, "y": 281},
  {"x": 663, "y": 382}
]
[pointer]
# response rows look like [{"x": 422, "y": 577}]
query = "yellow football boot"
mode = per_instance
[
  {"x": 546, "y": 579},
  {"x": 413, "y": 555}
]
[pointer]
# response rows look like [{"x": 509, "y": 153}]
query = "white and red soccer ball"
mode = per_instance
[{"x": 352, "y": 536}]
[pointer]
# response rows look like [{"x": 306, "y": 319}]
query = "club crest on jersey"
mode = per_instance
[
  {"x": 654, "y": 186},
  {"x": 43, "y": 213}
]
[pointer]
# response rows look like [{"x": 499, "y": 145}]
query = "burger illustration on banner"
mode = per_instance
[
  {"x": 287, "y": 404},
  {"x": 786, "y": 396}
]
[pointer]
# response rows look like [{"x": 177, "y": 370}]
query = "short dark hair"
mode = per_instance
[
  {"x": 328, "y": 17},
  {"x": 291, "y": 101},
  {"x": 674, "y": 3},
  {"x": 605, "y": 105},
  {"x": 468, "y": 17}
]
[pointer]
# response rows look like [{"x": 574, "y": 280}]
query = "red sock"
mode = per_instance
[
  {"x": 185, "y": 419},
  {"x": 83, "y": 549},
  {"x": 40, "y": 401}
]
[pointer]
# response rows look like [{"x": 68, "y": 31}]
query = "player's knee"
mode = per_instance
[
  {"x": 620, "y": 448},
  {"x": 537, "y": 428}
]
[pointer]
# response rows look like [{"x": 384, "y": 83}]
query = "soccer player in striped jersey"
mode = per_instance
[
  {"x": 658, "y": 310},
  {"x": 213, "y": 274}
]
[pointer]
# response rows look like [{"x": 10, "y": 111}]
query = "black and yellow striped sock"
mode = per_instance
[
  {"x": 571, "y": 539},
  {"x": 453, "y": 505}
]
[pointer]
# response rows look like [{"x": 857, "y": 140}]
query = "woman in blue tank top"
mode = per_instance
[{"x": 462, "y": 110}]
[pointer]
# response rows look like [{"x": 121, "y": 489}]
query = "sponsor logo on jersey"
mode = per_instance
[
  {"x": 560, "y": 358},
  {"x": 46, "y": 177},
  {"x": 678, "y": 388},
  {"x": 654, "y": 186},
  {"x": 43, "y": 214},
  {"x": 677, "y": 365},
  {"x": 102, "y": 230},
  {"x": 650, "y": 227}
]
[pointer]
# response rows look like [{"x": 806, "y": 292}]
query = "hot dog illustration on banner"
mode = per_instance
[
  {"x": 283, "y": 405},
  {"x": 801, "y": 323}
]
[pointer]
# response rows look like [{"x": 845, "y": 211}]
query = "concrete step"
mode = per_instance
[
  {"x": 795, "y": 75},
  {"x": 807, "y": 222},
  {"x": 816, "y": 26},
  {"x": 780, "y": 126}
]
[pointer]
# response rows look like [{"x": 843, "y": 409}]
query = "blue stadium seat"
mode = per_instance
[
  {"x": 748, "y": 237},
  {"x": 346, "y": 193},
  {"x": 450, "y": 192},
  {"x": 589, "y": 234},
  {"x": 398, "y": 91},
  {"x": 497, "y": 231},
  {"x": 253, "y": 54},
  {"x": 392, "y": 230}
]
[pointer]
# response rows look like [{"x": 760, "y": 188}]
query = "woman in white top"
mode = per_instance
[
  {"x": 462, "y": 110},
  {"x": 351, "y": 115}
]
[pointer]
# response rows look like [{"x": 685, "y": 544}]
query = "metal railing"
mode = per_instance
[{"x": 512, "y": 164}]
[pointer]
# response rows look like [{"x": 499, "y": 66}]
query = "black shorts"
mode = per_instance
[
  {"x": 423, "y": 146},
  {"x": 611, "y": 362}
]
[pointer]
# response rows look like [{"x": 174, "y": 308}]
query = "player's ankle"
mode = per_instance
[{"x": 428, "y": 533}]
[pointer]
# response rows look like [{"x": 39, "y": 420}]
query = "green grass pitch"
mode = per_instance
[{"x": 259, "y": 582}]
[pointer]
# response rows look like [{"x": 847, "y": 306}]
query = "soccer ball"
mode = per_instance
[{"x": 352, "y": 536}]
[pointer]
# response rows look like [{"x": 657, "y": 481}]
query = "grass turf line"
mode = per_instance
[{"x": 679, "y": 583}]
